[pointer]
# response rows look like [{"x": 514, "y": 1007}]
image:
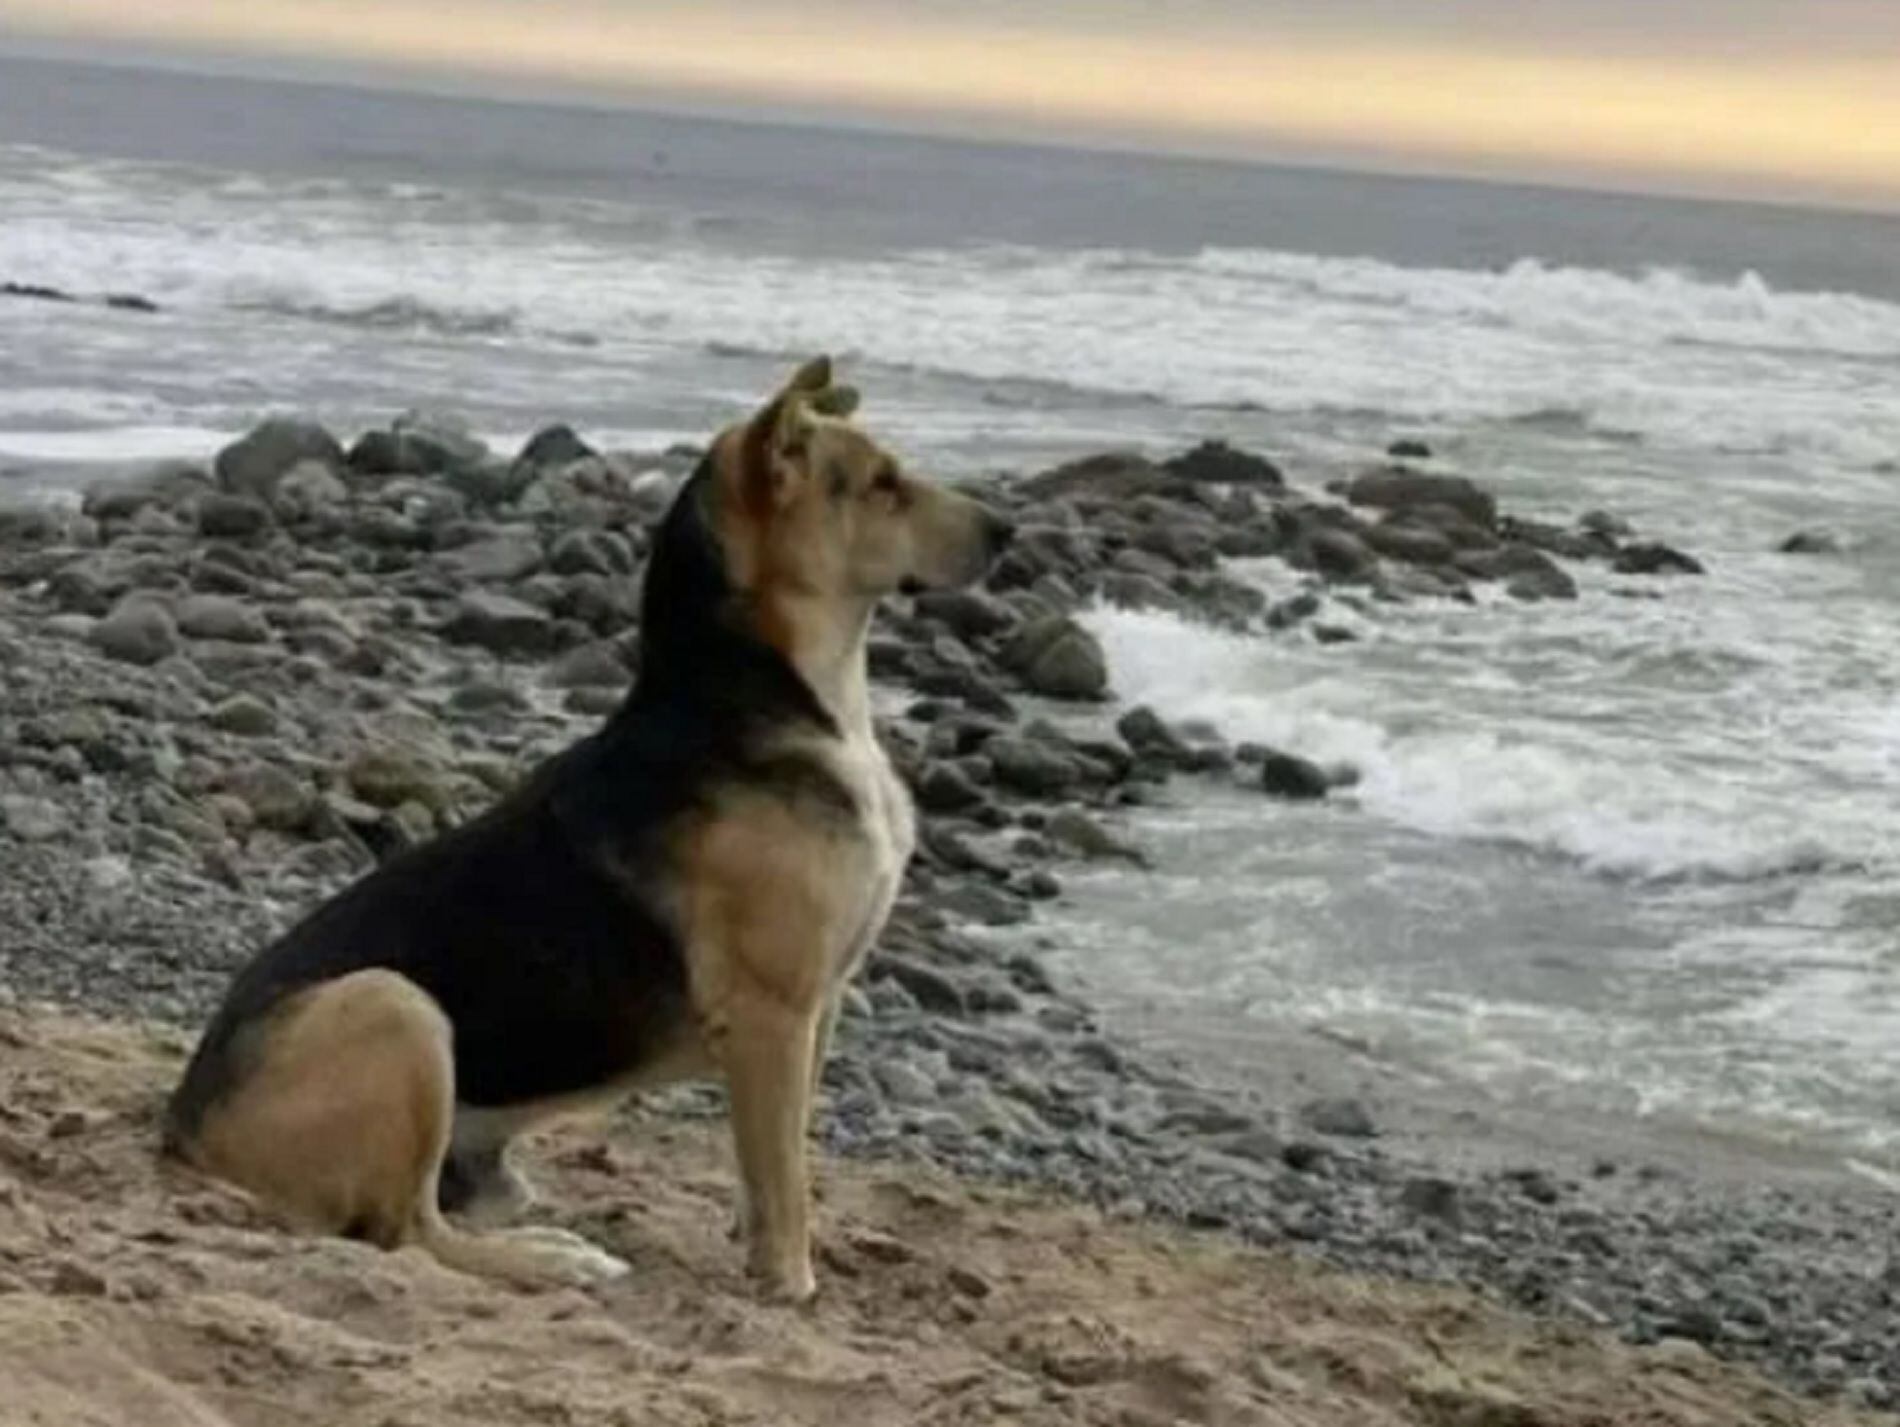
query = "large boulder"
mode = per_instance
[
  {"x": 556, "y": 445},
  {"x": 253, "y": 464},
  {"x": 1113, "y": 476},
  {"x": 1400, "y": 487},
  {"x": 1059, "y": 659},
  {"x": 221, "y": 617},
  {"x": 1655, "y": 559}
]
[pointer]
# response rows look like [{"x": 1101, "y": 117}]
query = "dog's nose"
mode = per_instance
[{"x": 1002, "y": 529}]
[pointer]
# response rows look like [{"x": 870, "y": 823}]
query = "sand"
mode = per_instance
[{"x": 135, "y": 1295}]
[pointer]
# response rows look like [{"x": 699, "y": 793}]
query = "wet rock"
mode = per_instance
[
  {"x": 1530, "y": 573},
  {"x": 252, "y": 465},
  {"x": 1414, "y": 544},
  {"x": 986, "y": 906},
  {"x": 1285, "y": 775},
  {"x": 1655, "y": 559},
  {"x": 930, "y": 989},
  {"x": 499, "y": 623},
  {"x": 1409, "y": 449},
  {"x": 1400, "y": 488},
  {"x": 1111, "y": 476},
  {"x": 1080, "y": 833},
  {"x": 389, "y": 777},
  {"x": 1057, "y": 658},
  {"x": 221, "y": 617},
  {"x": 1338, "y": 554},
  {"x": 139, "y": 630},
  {"x": 1603, "y": 523},
  {"x": 1030, "y": 767},
  {"x": 556, "y": 445},
  {"x": 1811, "y": 542},
  {"x": 1215, "y": 462}
]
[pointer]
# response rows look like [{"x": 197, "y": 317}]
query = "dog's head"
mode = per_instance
[{"x": 813, "y": 507}]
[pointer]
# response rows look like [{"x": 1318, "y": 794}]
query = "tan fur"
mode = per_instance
[{"x": 343, "y": 1123}]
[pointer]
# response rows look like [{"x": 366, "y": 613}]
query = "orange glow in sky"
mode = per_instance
[{"x": 1827, "y": 125}]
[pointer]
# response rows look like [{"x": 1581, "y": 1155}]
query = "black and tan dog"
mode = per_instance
[{"x": 683, "y": 893}]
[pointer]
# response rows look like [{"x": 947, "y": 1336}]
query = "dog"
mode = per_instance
[{"x": 683, "y": 893}]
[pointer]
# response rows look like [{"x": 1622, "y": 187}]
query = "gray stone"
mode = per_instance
[
  {"x": 308, "y": 488},
  {"x": 221, "y": 617},
  {"x": 1811, "y": 542},
  {"x": 232, "y": 517},
  {"x": 243, "y": 714},
  {"x": 1397, "y": 488},
  {"x": 1341, "y": 1116},
  {"x": 253, "y": 464},
  {"x": 139, "y": 630},
  {"x": 591, "y": 666},
  {"x": 1059, "y": 659},
  {"x": 970, "y": 614},
  {"x": 503, "y": 556},
  {"x": 556, "y": 445},
  {"x": 30, "y": 819},
  {"x": 1080, "y": 833},
  {"x": 946, "y": 788},
  {"x": 275, "y": 798},
  {"x": 596, "y": 552},
  {"x": 1655, "y": 559},
  {"x": 1284, "y": 775},
  {"x": 1030, "y": 767},
  {"x": 498, "y": 623},
  {"x": 1218, "y": 463},
  {"x": 1430, "y": 1196}
]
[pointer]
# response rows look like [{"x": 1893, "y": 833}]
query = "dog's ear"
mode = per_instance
[
  {"x": 839, "y": 401},
  {"x": 777, "y": 437}
]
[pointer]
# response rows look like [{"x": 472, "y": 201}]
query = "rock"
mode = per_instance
[
  {"x": 1342, "y": 1117},
  {"x": 443, "y": 432},
  {"x": 1027, "y": 766},
  {"x": 1409, "y": 449},
  {"x": 1811, "y": 542},
  {"x": 243, "y": 714},
  {"x": 221, "y": 617},
  {"x": 1601, "y": 522},
  {"x": 593, "y": 702},
  {"x": 1655, "y": 559},
  {"x": 556, "y": 445},
  {"x": 30, "y": 819},
  {"x": 308, "y": 488},
  {"x": 946, "y": 788},
  {"x": 252, "y": 465},
  {"x": 505, "y": 556},
  {"x": 1284, "y": 775},
  {"x": 932, "y": 990},
  {"x": 1399, "y": 488},
  {"x": 1531, "y": 574},
  {"x": 1081, "y": 833},
  {"x": 1414, "y": 544},
  {"x": 1057, "y": 658},
  {"x": 1215, "y": 462},
  {"x": 1145, "y": 731},
  {"x": 232, "y": 517},
  {"x": 276, "y": 800},
  {"x": 591, "y": 666},
  {"x": 597, "y": 552},
  {"x": 1338, "y": 554},
  {"x": 1430, "y": 1197},
  {"x": 1112, "y": 476},
  {"x": 499, "y": 623},
  {"x": 388, "y": 778},
  {"x": 969, "y": 614},
  {"x": 139, "y": 630},
  {"x": 975, "y": 902}
]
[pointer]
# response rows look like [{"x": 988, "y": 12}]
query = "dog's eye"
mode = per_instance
[{"x": 885, "y": 480}]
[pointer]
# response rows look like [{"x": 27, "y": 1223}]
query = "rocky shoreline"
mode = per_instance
[{"x": 225, "y": 690}]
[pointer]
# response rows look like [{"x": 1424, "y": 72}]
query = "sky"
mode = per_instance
[{"x": 1792, "y": 99}]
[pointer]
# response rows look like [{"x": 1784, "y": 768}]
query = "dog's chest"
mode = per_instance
[{"x": 885, "y": 836}]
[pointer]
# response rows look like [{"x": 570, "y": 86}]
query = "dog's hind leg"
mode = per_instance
[
  {"x": 342, "y": 1120},
  {"x": 478, "y": 1183}
]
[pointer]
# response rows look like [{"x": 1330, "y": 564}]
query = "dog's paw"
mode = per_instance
[{"x": 568, "y": 1259}]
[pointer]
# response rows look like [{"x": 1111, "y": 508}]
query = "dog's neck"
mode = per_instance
[{"x": 825, "y": 643}]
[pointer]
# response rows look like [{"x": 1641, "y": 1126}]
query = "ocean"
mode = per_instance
[{"x": 1627, "y": 856}]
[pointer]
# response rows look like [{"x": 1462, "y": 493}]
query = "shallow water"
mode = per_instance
[{"x": 1635, "y": 854}]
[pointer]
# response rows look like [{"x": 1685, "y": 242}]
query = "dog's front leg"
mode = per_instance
[{"x": 767, "y": 1049}]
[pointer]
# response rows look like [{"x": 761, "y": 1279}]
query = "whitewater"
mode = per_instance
[{"x": 1633, "y": 854}]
